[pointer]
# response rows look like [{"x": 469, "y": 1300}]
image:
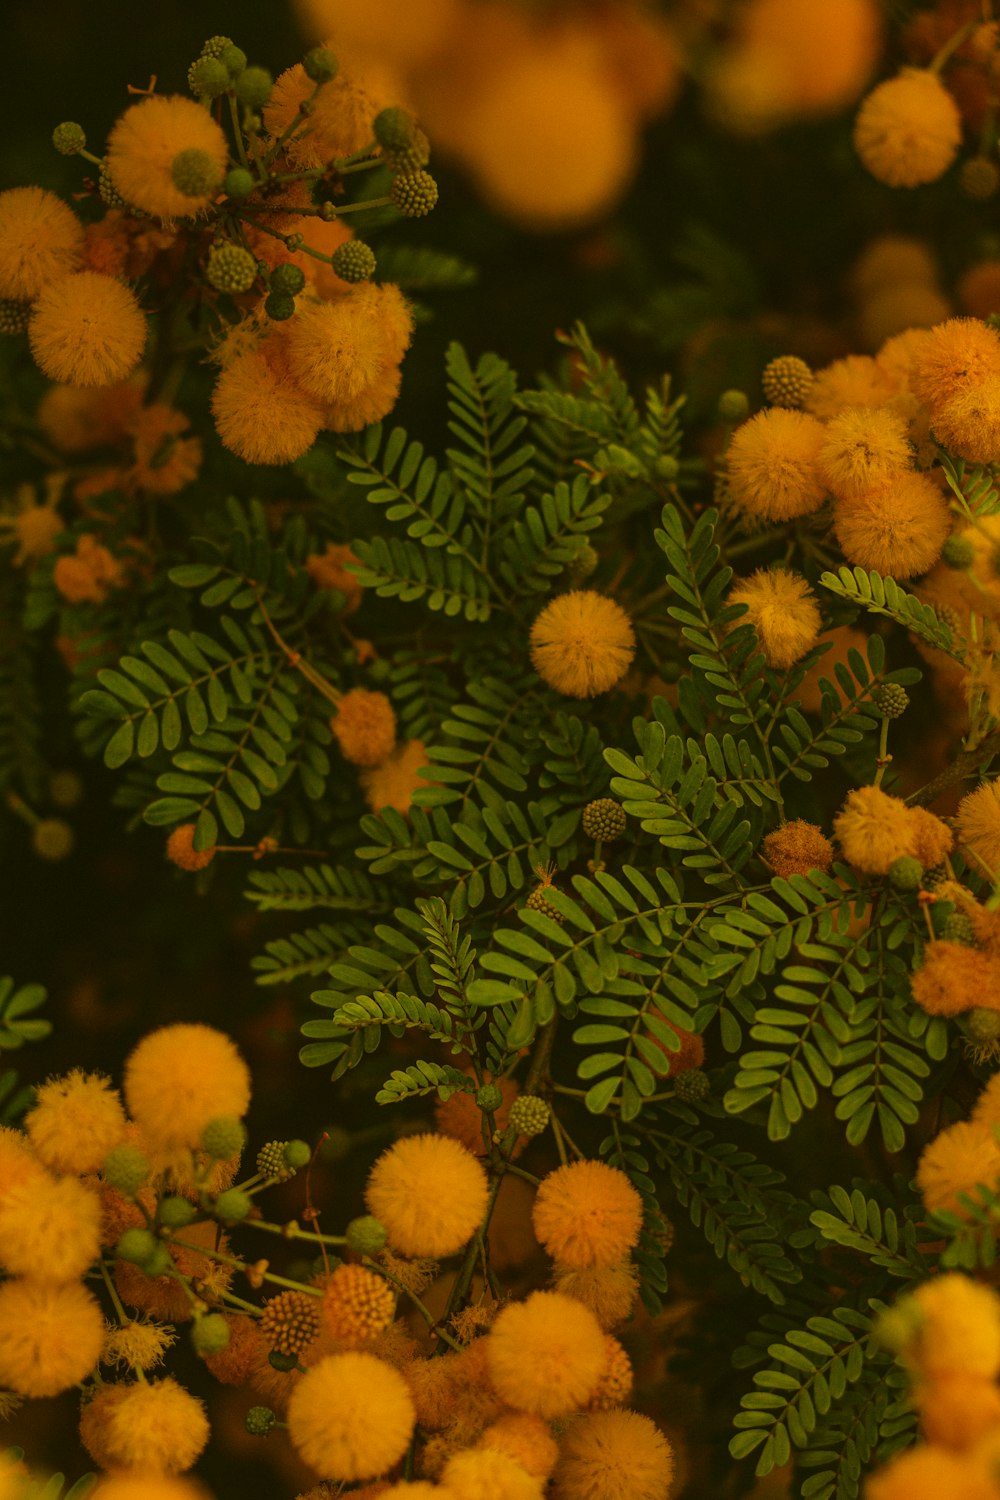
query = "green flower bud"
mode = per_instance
[
  {"x": 233, "y": 1205},
  {"x": 106, "y": 188},
  {"x": 271, "y": 1160},
  {"x": 891, "y": 700},
  {"x": 238, "y": 183},
  {"x": 138, "y": 1246},
  {"x": 287, "y": 279},
  {"x": 125, "y": 1169},
  {"x": 667, "y": 467},
  {"x": 582, "y": 563},
  {"x": 283, "y": 1362},
  {"x": 734, "y": 406},
  {"x": 604, "y": 819},
  {"x": 216, "y": 45},
  {"x": 253, "y": 87},
  {"x": 366, "y": 1235},
  {"x": 298, "y": 1154},
  {"x": 209, "y": 1334},
  {"x": 692, "y": 1085},
  {"x": 354, "y": 261},
  {"x": 230, "y": 268},
  {"x": 958, "y": 928},
  {"x": 414, "y": 194},
  {"x": 394, "y": 128},
  {"x": 208, "y": 78},
  {"x": 260, "y": 1420},
  {"x": 279, "y": 307},
  {"x": 176, "y": 1212},
  {"x": 194, "y": 173},
  {"x": 529, "y": 1115},
  {"x": 489, "y": 1096},
  {"x": 14, "y": 316},
  {"x": 328, "y": 211},
  {"x": 233, "y": 59},
  {"x": 52, "y": 839},
  {"x": 958, "y": 552},
  {"x": 906, "y": 873},
  {"x": 320, "y": 65},
  {"x": 223, "y": 1137},
  {"x": 983, "y": 1025},
  {"x": 411, "y": 157},
  {"x": 69, "y": 138}
]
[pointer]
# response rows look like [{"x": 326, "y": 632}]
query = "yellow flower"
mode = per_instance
[
  {"x": 370, "y": 405},
  {"x": 164, "y": 461},
  {"x": 88, "y": 575},
  {"x": 953, "y": 358},
  {"x": 954, "y": 978},
  {"x": 41, "y": 239},
  {"x": 782, "y": 611},
  {"x": 331, "y": 569},
  {"x": 978, "y": 826},
  {"x": 524, "y": 1438},
  {"x": 18, "y": 1164},
  {"x": 873, "y": 829},
  {"x": 143, "y": 144},
  {"x": 855, "y": 380},
  {"x": 356, "y": 1304},
  {"x": 50, "y": 1228},
  {"x": 958, "y": 1410},
  {"x": 582, "y": 644},
  {"x": 182, "y": 853},
  {"x": 613, "y": 1455},
  {"x": 179, "y": 1078},
  {"x": 337, "y": 350},
  {"x": 969, "y": 423},
  {"x": 932, "y": 839},
  {"x": 927, "y": 1473},
  {"x": 75, "y": 1122},
  {"x": 487, "y": 1474},
  {"x": 341, "y": 120},
  {"x": 609, "y": 1291},
  {"x": 796, "y": 848},
  {"x": 956, "y": 1161},
  {"x": 34, "y": 527},
  {"x": 136, "y": 1345},
  {"x": 865, "y": 449},
  {"x": 50, "y": 1336},
  {"x": 898, "y": 531},
  {"x": 351, "y": 1416},
  {"x": 154, "y": 1426},
  {"x": 908, "y": 130},
  {"x": 616, "y": 1382},
  {"x": 429, "y": 1192},
  {"x": 260, "y": 413},
  {"x": 148, "y": 1487},
  {"x": 87, "y": 330},
  {"x": 546, "y": 1355},
  {"x": 772, "y": 465},
  {"x": 587, "y": 1214},
  {"x": 393, "y": 783},
  {"x": 364, "y": 727}
]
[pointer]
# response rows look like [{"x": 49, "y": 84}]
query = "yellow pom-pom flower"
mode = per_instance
[
  {"x": 50, "y": 1228},
  {"x": 76, "y": 1120},
  {"x": 908, "y": 130},
  {"x": 873, "y": 829},
  {"x": 180, "y": 1077},
  {"x": 153, "y": 1426},
  {"x": 959, "y": 1330},
  {"x": 796, "y": 848},
  {"x": 50, "y": 1336},
  {"x": 855, "y": 380},
  {"x": 18, "y": 1164},
  {"x": 524, "y": 1438},
  {"x": 582, "y": 644},
  {"x": 587, "y": 1214},
  {"x": 41, "y": 240},
  {"x": 953, "y": 358},
  {"x": 341, "y": 119},
  {"x": 364, "y": 727},
  {"x": 429, "y": 1192},
  {"x": 865, "y": 449},
  {"x": 613, "y": 1455},
  {"x": 783, "y": 612},
  {"x": 546, "y": 1355},
  {"x": 351, "y": 1416},
  {"x": 926, "y": 1472},
  {"x": 182, "y": 853},
  {"x": 370, "y": 405},
  {"x": 487, "y": 1474},
  {"x": 978, "y": 826},
  {"x": 87, "y": 330},
  {"x": 260, "y": 413},
  {"x": 957, "y": 1160},
  {"x": 609, "y": 1291},
  {"x": 356, "y": 1304},
  {"x": 954, "y": 978},
  {"x": 899, "y": 531},
  {"x": 772, "y": 465},
  {"x": 969, "y": 423},
  {"x": 337, "y": 350},
  {"x": 144, "y": 143}
]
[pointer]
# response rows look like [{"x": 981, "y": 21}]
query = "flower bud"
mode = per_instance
[
  {"x": 260, "y": 1420},
  {"x": 233, "y": 59},
  {"x": 209, "y": 1334},
  {"x": 194, "y": 173},
  {"x": 489, "y": 1097},
  {"x": 138, "y": 1246},
  {"x": 69, "y": 138},
  {"x": 734, "y": 406},
  {"x": 279, "y": 307},
  {"x": 253, "y": 87},
  {"x": 366, "y": 1235},
  {"x": 414, "y": 194},
  {"x": 223, "y": 1138},
  {"x": 175, "y": 1212},
  {"x": 208, "y": 78},
  {"x": 287, "y": 279},
  {"x": 125, "y": 1169},
  {"x": 238, "y": 183},
  {"x": 233, "y": 1205},
  {"x": 52, "y": 839},
  {"x": 320, "y": 65},
  {"x": 354, "y": 261},
  {"x": 297, "y": 1154}
]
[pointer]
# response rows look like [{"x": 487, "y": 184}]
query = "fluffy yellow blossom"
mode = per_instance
[
  {"x": 153, "y": 1426},
  {"x": 953, "y": 358},
  {"x": 429, "y": 1192},
  {"x": 617, "y": 1381},
  {"x": 613, "y": 1455},
  {"x": 908, "y": 130},
  {"x": 958, "y": 1410},
  {"x": 873, "y": 829},
  {"x": 986, "y": 1109},
  {"x": 782, "y": 610},
  {"x": 524, "y": 1438},
  {"x": 932, "y": 839},
  {"x": 955, "y": 978},
  {"x": 50, "y": 1228},
  {"x": 958, "y": 1329},
  {"x": 819, "y": 53},
  {"x": 18, "y": 1164},
  {"x": 337, "y": 350},
  {"x": 356, "y": 1304},
  {"x": 968, "y": 424},
  {"x": 182, "y": 853},
  {"x": 364, "y": 727},
  {"x": 899, "y": 530},
  {"x": 33, "y": 527},
  {"x": 609, "y": 1291},
  {"x": 50, "y": 1336},
  {"x": 370, "y": 405},
  {"x": 351, "y": 1416},
  {"x": 772, "y": 465},
  {"x": 260, "y": 413},
  {"x": 488, "y": 1474},
  {"x": 855, "y": 380},
  {"x": 180, "y": 1077},
  {"x": 76, "y": 1120},
  {"x": 546, "y": 1355},
  {"x": 796, "y": 848},
  {"x": 865, "y": 449},
  {"x": 929, "y": 1473},
  {"x": 77, "y": 420},
  {"x": 582, "y": 643},
  {"x": 393, "y": 783},
  {"x": 587, "y": 1214},
  {"x": 164, "y": 461},
  {"x": 978, "y": 826},
  {"x": 90, "y": 574},
  {"x": 41, "y": 239},
  {"x": 143, "y": 144},
  {"x": 136, "y": 1345},
  {"x": 341, "y": 120},
  {"x": 87, "y": 330},
  {"x": 956, "y": 1161}
]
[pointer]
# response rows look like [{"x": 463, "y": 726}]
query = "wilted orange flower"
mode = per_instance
[
  {"x": 393, "y": 783},
  {"x": 76, "y": 420},
  {"x": 331, "y": 569},
  {"x": 898, "y": 531},
  {"x": 163, "y": 460},
  {"x": 87, "y": 330},
  {"x": 782, "y": 610},
  {"x": 908, "y": 129},
  {"x": 796, "y": 848},
  {"x": 772, "y": 465},
  {"x": 582, "y": 643},
  {"x": 41, "y": 239},
  {"x": 89, "y": 575},
  {"x": 144, "y": 143},
  {"x": 364, "y": 727}
]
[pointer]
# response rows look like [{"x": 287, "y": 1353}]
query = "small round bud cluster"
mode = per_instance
[
  {"x": 320, "y": 65},
  {"x": 891, "y": 700},
  {"x": 175, "y": 1212},
  {"x": 297, "y": 1154},
  {"x": 979, "y": 178},
  {"x": 604, "y": 819},
  {"x": 69, "y": 138},
  {"x": 208, "y": 78},
  {"x": 233, "y": 59},
  {"x": 279, "y": 307},
  {"x": 194, "y": 173},
  {"x": 223, "y": 1137},
  {"x": 366, "y": 1235},
  {"x": 394, "y": 128},
  {"x": 109, "y": 193},
  {"x": 271, "y": 1161},
  {"x": 958, "y": 928},
  {"x": 958, "y": 552},
  {"x": 233, "y": 1205},
  {"x": 983, "y": 1025},
  {"x": 411, "y": 157},
  {"x": 138, "y": 1246},
  {"x": 260, "y": 1420},
  {"x": 125, "y": 1169},
  {"x": 14, "y": 316},
  {"x": 692, "y": 1085},
  {"x": 906, "y": 873},
  {"x": 287, "y": 279},
  {"x": 529, "y": 1115},
  {"x": 230, "y": 268},
  {"x": 357, "y": 1304},
  {"x": 354, "y": 261},
  {"x": 290, "y": 1322},
  {"x": 489, "y": 1096},
  {"x": 582, "y": 563},
  {"x": 216, "y": 45},
  {"x": 253, "y": 87},
  {"x": 950, "y": 617},
  {"x": 734, "y": 406},
  {"x": 238, "y": 183},
  {"x": 537, "y": 902},
  {"x": 787, "y": 380},
  {"x": 414, "y": 194},
  {"x": 327, "y": 211},
  {"x": 209, "y": 1334},
  {"x": 52, "y": 839}
]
